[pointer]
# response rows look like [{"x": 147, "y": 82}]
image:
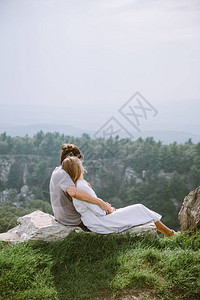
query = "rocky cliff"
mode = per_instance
[{"x": 189, "y": 215}]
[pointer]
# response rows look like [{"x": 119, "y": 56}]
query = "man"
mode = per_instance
[{"x": 62, "y": 189}]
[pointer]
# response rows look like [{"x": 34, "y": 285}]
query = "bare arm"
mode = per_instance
[{"x": 84, "y": 196}]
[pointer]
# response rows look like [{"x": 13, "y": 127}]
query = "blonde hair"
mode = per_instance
[{"x": 73, "y": 166}]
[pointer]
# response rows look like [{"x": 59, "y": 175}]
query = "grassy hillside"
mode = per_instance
[{"x": 91, "y": 266}]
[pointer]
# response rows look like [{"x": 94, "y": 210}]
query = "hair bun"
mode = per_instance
[
  {"x": 70, "y": 150},
  {"x": 63, "y": 146},
  {"x": 67, "y": 147}
]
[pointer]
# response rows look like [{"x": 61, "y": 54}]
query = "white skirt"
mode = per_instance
[{"x": 122, "y": 219}]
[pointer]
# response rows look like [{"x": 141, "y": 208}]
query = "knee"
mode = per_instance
[{"x": 140, "y": 205}]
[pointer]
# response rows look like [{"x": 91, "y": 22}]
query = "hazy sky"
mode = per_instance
[{"x": 95, "y": 54}]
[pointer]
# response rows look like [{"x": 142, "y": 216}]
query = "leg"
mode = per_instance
[{"x": 164, "y": 229}]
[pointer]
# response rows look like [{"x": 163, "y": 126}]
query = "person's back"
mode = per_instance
[
  {"x": 63, "y": 208},
  {"x": 62, "y": 188}
]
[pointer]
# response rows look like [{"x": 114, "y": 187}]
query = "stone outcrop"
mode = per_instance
[
  {"x": 37, "y": 226},
  {"x": 41, "y": 226},
  {"x": 5, "y": 165},
  {"x": 189, "y": 215},
  {"x": 147, "y": 228}
]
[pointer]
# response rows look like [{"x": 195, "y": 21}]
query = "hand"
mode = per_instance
[
  {"x": 106, "y": 206},
  {"x": 111, "y": 211}
]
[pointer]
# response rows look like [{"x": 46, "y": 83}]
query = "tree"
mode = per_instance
[
  {"x": 15, "y": 176},
  {"x": 41, "y": 205}
]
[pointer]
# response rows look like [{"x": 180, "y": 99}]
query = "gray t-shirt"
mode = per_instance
[{"x": 63, "y": 208}]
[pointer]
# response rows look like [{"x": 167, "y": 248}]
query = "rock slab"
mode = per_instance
[
  {"x": 41, "y": 226},
  {"x": 189, "y": 215},
  {"x": 37, "y": 226}
]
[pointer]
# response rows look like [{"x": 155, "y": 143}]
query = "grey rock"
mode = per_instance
[
  {"x": 5, "y": 166},
  {"x": 8, "y": 194},
  {"x": 24, "y": 190},
  {"x": 129, "y": 174},
  {"x": 9, "y": 237},
  {"x": 147, "y": 229},
  {"x": 41, "y": 226},
  {"x": 189, "y": 215},
  {"x": 37, "y": 226}
]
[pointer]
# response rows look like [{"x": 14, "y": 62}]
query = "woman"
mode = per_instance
[{"x": 120, "y": 219}]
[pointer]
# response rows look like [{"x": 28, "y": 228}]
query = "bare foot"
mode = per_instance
[{"x": 171, "y": 232}]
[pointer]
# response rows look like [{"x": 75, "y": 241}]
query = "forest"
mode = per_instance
[{"x": 121, "y": 171}]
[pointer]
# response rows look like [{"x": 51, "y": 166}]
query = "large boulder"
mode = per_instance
[
  {"x": 189, "y": 215},
  {"x": 37, "y": 226},
  {"x": 41, "y": 226}
]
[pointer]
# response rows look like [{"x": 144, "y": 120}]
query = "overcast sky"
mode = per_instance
[{"x": 95, "y": 54}]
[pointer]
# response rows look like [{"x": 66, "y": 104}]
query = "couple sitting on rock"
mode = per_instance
[{"x": 75, "y": 203}]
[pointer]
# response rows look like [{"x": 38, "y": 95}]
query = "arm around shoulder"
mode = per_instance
[
  {"x": 79, "y": 194},
  {"x": 72, "y": 190}
]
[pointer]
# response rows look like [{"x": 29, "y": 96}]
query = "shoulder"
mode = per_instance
[
  {"x": 59, "y": 172},
  {"x": 62, "y": 178},
  {"x": 83, "y": 185}
]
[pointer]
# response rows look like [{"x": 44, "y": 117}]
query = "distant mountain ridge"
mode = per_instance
[
  {"x": 166, "y": 137},
  {"x": 34, "y": 128}
]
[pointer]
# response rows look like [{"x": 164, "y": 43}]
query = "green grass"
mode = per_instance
[{"x": 87, "y": 266}]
